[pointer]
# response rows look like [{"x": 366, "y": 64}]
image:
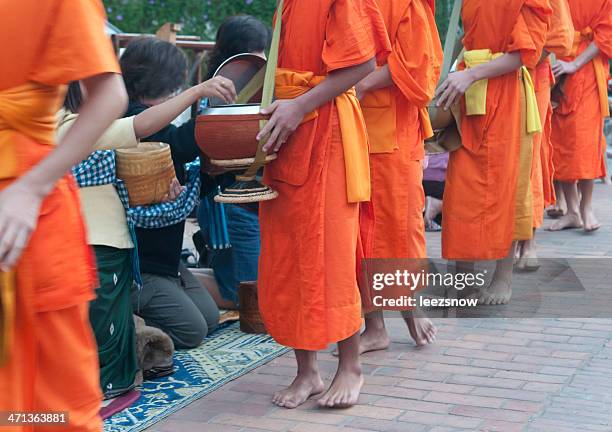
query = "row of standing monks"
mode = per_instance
[{"x": 310, "y": 233}]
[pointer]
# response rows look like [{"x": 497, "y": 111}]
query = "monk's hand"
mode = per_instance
[
  {"x": 218, "y": 87},
  {"x": 286, "y": 116},
  {"x": 19, "y": 210},
  {"x": 453, "y": 88},
  {"x": 174, "y": 191},
  {"x": 564, "y": 68}
]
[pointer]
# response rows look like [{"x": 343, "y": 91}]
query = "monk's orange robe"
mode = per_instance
[
  {"x": 53, "y": 364},
  {"x": 308, "y": 294},
  {"x": 397, "y": 125},
  {"x": 577, "y": 125},
  {"x": 482, "y": 177},
  {"x": 559, "y": 40}
]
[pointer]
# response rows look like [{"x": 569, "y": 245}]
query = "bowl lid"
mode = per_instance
[{"x": 240, "y": 69}]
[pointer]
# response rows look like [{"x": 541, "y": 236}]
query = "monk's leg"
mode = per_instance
[
  {"x": 572, "y": 218},
  {"x": 307, "y": 383},
  {"x": 500, "y": 289},
  {"x": 346, "y": 386},
  {"x": 586, "y": 206},
  {"x": 560, "y": 207},
  {"x": 528, "y": 259},
  {"x": 421, "y": 328},
  {"x": 374, "y": 337},
  {"x": 465, "y": 267}
]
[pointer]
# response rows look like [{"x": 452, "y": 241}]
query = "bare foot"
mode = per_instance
[
  {"x": 371, "y": 340},
  {"x": 303, "y": 387},
  {"x": 569, "y": 221},
  {"x": 590, "y": 221},
  {"x": 421, "y": 329},
  {"x": 344, "y": 390},
  {"x": 528, "y": 258},
  {"x": 555, "y": 212},
  {"x": 499, "y": 292},
  {"x": 433, "y": 207}
]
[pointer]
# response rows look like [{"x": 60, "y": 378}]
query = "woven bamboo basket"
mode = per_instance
[
  {"x": 250, "y": 318},
  {"x": 147, "y": 172}
]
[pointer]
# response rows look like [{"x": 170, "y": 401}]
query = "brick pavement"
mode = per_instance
[{"x": 480, "y": 375}]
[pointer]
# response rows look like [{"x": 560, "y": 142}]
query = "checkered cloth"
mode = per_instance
[{"x": 99, "y": 169}]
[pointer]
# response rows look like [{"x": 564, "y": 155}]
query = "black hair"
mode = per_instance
[
  {"x": 152, "y": 68},
  {"x": 238, "y": 34},
  {"x": 74, "y": 97}
]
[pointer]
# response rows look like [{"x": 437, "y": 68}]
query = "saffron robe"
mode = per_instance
[
  {"x": 53, "y": 364},
  {"x": 308, "y": 294},
  {"x": 577, "y": 124},
  {"x": 482, "y": 177},
  {"x": 559, "y": 40},
  {"x": 397, "y": 126}
]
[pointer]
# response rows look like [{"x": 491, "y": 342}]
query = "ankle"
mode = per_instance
[{"x": 349, "y": 368}]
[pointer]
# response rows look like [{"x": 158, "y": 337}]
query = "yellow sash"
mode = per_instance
[
  {"x": 7, "y": 313},
  {"x": 379, "y": 109},
  {"x": 600, "y": 66},
  {"x": 476, "y": 95},
  {"x": 291, "y": 84},
  {"x": 29, "y": 109}
]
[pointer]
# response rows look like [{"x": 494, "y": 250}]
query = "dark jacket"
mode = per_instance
[{"x": 159, "y": 249}]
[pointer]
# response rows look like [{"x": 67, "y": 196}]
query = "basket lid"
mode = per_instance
[{"x": 145, "y": 147}]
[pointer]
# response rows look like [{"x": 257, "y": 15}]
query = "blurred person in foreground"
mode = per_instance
[{"x": 52, "y": 364}]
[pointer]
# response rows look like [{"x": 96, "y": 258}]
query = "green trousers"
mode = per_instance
[{"x": 110, "y": 315}]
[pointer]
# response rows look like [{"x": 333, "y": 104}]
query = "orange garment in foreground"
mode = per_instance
[
  {"x": 482, "y": 176},
  {"x": 308, "y": 293},
  {"x": 577, "y": 124},
  {"x": 397, "y": 125},
  {"x": 559, "y": 40},
  {"x": 53, "y": 362}
]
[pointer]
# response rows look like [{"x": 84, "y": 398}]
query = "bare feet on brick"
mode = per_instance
[
  {"x": 421, "y": 329},
  {"x": 499, "y": 292},
  {"x": 590, "y": 221},
  {"x": 307, "y": 383},
  {"x": 569, "y": 221},
  {"x": 301, "y": 389},
  {"x": 375, "y": 336},
  {"x": 344, "y": 390},
  {"x": 374, "y": 339}
]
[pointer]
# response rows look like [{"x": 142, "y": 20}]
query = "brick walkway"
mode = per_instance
[{"x": 480, "y": 375}]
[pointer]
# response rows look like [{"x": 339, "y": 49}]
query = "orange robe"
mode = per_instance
[
  {"x": 577, "y": 125},
  {"x": 397, "y": 126},
  {"x": 53, "y": 364},
  {"x": 482, "y": 177},
  {"x": 308, "y": 294},
  {"x": 559, "y": 40}
]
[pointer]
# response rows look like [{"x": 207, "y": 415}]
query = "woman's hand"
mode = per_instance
[
  {"x": 19, "y": 210},
  {"x": 286, "y": 116},
  {"x": 456, "y": 84},
  {"x": 218, "y": 87},
  {"x": 175, "y": 190},
  {"x": 564, "y": 68}
]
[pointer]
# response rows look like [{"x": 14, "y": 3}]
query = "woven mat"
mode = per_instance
[{"x": 224, "y": 356}]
